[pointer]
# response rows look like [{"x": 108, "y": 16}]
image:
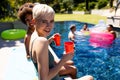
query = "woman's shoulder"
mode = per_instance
[
  {"x": 112, "y": 31},
  {"x": 42, "y": 39},
  {"x": 39, "y": 39}
]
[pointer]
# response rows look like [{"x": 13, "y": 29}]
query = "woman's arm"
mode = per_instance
[
  {"x": 26, "y": 43},
  {"x": 42, "y": 60},
  {"x": 52, "y": 37},
  {"x": 114, "y": 34}
]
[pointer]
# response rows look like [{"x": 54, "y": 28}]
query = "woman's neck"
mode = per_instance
[
  {"x": 30, "y": 30},
  {"x": 39, "y": 34}
]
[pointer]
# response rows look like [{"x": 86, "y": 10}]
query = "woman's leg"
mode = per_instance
[
  {"x": 68, "y": 70},
  {"x": 87, "y": 77}
]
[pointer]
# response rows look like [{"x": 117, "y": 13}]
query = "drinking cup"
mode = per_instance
[
  {"x": 57, "y": 39},
  {"x": 69, "y": 47}
]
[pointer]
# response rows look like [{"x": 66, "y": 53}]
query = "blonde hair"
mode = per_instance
[{"x": 40, "y": 10}]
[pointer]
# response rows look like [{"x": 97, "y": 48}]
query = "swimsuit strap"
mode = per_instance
[
  {"x": 32, "y": 46},
  {"x": 35, "y": 64}
]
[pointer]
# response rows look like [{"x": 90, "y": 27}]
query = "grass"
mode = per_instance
[{"x": 88, "y": 18}]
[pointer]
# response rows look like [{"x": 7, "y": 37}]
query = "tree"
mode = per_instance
[
  {"x": 111, "y": 3},
  {"x": 56, "y": 7},
  {"x": 87, "y": 5},
  {"x": 4, "y": 8},
  {"x": 67, "y": 4}
]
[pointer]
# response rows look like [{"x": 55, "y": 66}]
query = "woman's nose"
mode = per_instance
[{"x": 48, "y": 24}]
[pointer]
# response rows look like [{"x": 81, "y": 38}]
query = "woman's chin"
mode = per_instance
[{"x": 47, "y": 34}]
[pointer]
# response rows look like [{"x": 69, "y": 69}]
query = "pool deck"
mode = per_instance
[
  {"x": 12, "y": 52},
  {"x": 5, "y": 51},
  {"x": 4, "y": 54}
]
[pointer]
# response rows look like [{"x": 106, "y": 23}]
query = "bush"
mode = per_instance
[
  {"x": 92, "y": 5},
  {"x": 56, "y": 7},
  {"x": 102, "y": 3},
  {"x": 81, "y": 6},
  {"x": 8, "y": 19},
  {"x": 70, "y": 10},
  {"x": 67, "y": 4}
]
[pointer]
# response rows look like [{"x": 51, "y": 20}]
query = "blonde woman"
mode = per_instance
[
  {"x": 43, "y": 19},
  {"x": 25, "y": 15}
]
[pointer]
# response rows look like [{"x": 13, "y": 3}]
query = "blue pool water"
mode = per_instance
[{"x": 103, "y": 63}]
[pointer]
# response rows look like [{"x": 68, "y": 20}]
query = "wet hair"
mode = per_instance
[
  {"x": 110, "y": 25},
  {"x": 40, "y": 10},
  {"x": 85, "y": 24},
  {"x": 24, "y": 10},
  {"x": 72, "y": 26}
]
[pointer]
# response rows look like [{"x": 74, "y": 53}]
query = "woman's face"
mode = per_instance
[
  {"x": 74, "y": 29},
  {"x": 109, "y": 28},
  {"x": 44, "y": 25},
  {"x": 28, "y": 19},
  {"x": 85, "y": 27}
]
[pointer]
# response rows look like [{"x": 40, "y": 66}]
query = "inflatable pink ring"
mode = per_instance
[{"x": 101, "y": 38}]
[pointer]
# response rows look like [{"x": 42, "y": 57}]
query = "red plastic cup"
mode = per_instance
[
  {"x": 57, "y": 39},
  {"x": 69, "y": 47}
]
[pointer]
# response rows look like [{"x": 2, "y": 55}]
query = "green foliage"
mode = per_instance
[
  {"x": 8, "y": 8},
  {"x": 67, "y": 4},
  {"x": 8, "y": 19},
  {"x": 56, "y": 7},
  {"x": 79, "y": 1},
  {"x": 92, "y": 5},
  {"x": 4, "y": 6},
  {"x": 81, "y": 6},
  {"x": 102, "y": 3}
]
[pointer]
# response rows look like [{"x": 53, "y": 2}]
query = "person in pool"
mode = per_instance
[
  {"x": 85, "y": 28},
  {"x": 110, "y": 30},
  {"x": 43, "y": 19},
  {"x": 25, "y": 15},
  {"x": 71, "y": 34}
]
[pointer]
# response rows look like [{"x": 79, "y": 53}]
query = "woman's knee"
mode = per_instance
[
  {"x": 87, "y": 77},
  {"x": 90, "y": 77}
]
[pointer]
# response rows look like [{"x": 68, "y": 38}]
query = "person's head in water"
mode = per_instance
[
  {"x": 110, "y": 27},
  {"x": 73, "y": 27}
]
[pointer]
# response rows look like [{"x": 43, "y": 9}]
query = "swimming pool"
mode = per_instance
[{"x": 101, "y": 62}]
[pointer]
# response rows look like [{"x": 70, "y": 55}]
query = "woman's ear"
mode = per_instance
[{"x": 33, "y": 21}]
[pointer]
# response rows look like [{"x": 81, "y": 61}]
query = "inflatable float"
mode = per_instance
[
  {"x": 101, "y": 39},
  {"x": 86, "y": 33},
  {"x": 13, "y": 34},
  {"x": 82, "y": 33}
]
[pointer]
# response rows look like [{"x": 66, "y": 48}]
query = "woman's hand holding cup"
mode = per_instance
[{"x": 57, "y": 39}]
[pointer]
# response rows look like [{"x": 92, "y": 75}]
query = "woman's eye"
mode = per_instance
[
  {"x": 52, "y": 21},
  {"x": 44, "y": 21}
]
